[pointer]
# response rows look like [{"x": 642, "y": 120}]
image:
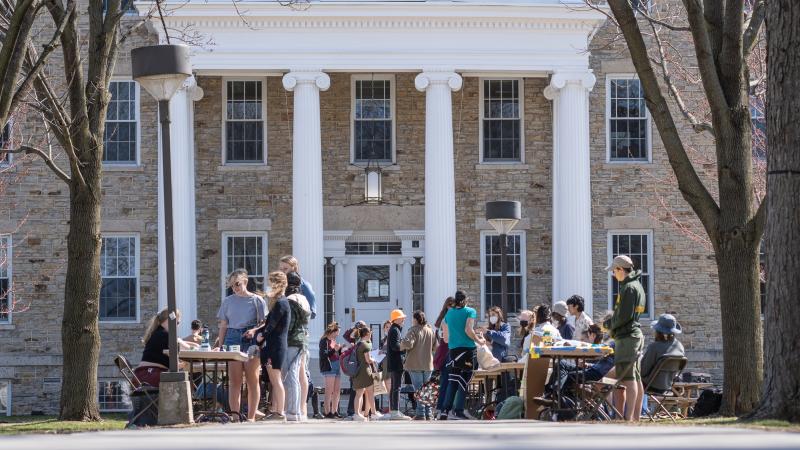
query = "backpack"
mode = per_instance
[
  {"x": 708, "y": 403},
  {"x": 349, "y": 361}
]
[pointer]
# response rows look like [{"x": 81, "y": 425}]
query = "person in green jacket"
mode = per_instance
[{"x": 624, "y": 328}]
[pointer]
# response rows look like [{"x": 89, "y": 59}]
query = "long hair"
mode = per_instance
[
  {"x": 448, "y": 303},
  {"x": 234, "y": 276},
  {"x": 277, "y": 286},
  {"x": 460, "y": 300},
  {"x": 332, "y": 327},
  {"x": 419, "y": 316},
  {"x": 293, "y": 282},
  {"x": 155, "y": 322},
  {"x": 500, "y": 317},
  {"x": 542, "y": 313},
  {"x": 292, "y": 262}
]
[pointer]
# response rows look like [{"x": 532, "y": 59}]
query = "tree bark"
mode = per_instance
[
  {"x": 781, "y": 398},
  {"x": 80, "y": 334}
]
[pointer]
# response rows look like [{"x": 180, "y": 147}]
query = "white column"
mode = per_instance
[
  {"x": 440, "y": 203},
  {"x": 339, "y": 287},
  {"x": 572, "y": 205},
  {"x": 181, "y": 110},
  {"x": 408, "y": 287},
  {"x": 307, "y": 228}
]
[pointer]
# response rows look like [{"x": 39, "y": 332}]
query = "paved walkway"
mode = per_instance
[{"x": 511, "y": 435}]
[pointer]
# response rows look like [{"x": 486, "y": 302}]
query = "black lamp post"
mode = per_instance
[
  {"x": 503, "y": 216},
  {"x": 161, "y": 70}
]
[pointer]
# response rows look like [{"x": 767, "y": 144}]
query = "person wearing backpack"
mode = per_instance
[
  {"x": 351, "y": 337},
  {"x": 363, "y": 380},
  {"x": 293, "y": 370}
]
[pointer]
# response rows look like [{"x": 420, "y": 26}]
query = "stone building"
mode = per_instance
[{"x": 458, "y": 103}]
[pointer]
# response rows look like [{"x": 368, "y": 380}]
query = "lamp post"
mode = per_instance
[
  {"x": 161, "y": 70},
  {"x": 503, "y": 216}
]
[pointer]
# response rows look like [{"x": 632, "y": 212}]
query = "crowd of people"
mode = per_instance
[{"x": 272, "y": 328}]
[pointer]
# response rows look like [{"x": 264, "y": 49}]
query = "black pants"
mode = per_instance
[
  {"x": 394, "y": 395},
  {"x": 351, "y": 407}
]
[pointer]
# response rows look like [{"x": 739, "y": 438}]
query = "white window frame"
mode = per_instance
[
  {"x": 5, "y": 239},
  {"x": 225, "y": 270},
  {"x": 137, "y": 243},
  {"x": 264, "y": 96},
  {"x": 650, "y": 269},
  {"x": 138, "y": 108},
  {"x": 481, "y": 94},
  {"x": 523, "y": 269},
  {"x": 10, "y": 399},
  {"x": 125, "y": 389},
  {"x": 10, "y": 156},
  {"x": 392, "y": 91},
  {"x": 648, "y": 126}
]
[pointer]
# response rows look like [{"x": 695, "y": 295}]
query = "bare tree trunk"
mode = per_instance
[
  {"x": 782, "y": 311},
  {"x": 80, "y": 334}
]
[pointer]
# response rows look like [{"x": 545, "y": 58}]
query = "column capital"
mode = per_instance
[
  {"x": 338, "y": 261},
  {"x": 430, "y": 78},
  {"x": 316, "y": 78},
  {"x": 583, "y": 78},
  {"x": 408, "y": 260}
]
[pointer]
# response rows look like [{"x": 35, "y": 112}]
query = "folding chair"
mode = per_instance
[
  {"x": 138, "y": 388},
  {"x": 667, "y": 367},
  {"x": 597, "y": 393}
]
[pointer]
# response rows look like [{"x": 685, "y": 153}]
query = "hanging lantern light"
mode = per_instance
[{"x": 373, "y": 191}]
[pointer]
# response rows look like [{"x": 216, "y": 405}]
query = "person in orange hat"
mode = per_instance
[{"x": 394, "y": 364}]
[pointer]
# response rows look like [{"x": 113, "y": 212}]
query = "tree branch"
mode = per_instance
[
  {"x": 759, "y": 221},
  {"x": 689, "y": 183},
  {"x": 753, "y": 27},
  {"x": 46, "y": 158},
  {"x": 730, "y": 62}
]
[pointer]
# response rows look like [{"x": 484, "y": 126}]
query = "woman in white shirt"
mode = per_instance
[{"x": 541, "y": 324}]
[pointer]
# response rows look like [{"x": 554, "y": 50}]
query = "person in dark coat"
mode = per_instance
[
  {"x": 394, "y": 363},
  {"x": 274, "y": 336}
]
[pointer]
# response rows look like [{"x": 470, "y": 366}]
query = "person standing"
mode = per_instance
[
  {"x": 582, "y": 321},
  {"x": 394, "y": 363},
  {"x": 329, "y": 368},
  {"x": 559, "y": 316},
  {"x": 459, "y": 333},
  {"x": 239, "y": 317},
  {"x": 293, "y": 370},
  {"x": 624, "y": 328},
  {"x": 288, "y": 264},
  {"x": 363, "y": 381},
  {"x": 274, "y": 336},
  {"x": 419, "y": 344}
]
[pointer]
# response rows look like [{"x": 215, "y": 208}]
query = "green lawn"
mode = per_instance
[
  {"x": 51, "y": 424},
  {"x": 770, "y": 425}
]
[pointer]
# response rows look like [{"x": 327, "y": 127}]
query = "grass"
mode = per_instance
[
  {"x": 771, "y": 425},
  {"x": 51, "y": 424}
]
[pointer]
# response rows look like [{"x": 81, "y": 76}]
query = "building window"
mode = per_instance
[
  {"x": 126, "y": 5},
  {"x": 418, "y": 284},
  {"x": 5, "y": 145},
  {"x": 627, "y": 122},
  {"x": 330, "y": 291},
  {"x": 5, "y": 279},
  {"x": 491, "y": 271},
  {"x": 113, "y": 396},
  {"x": 758, "y": 124},
  {"x": 639, "y": 247},
  {"x": 121, "y": 138},
  {"x": 119, "y": 268},
  {"x": 244, "y": 122},
  {"x": 5, "y": 397},
  {"x": 501, "y": 130},
  {"x": 373, "y": 119},
  {"x": 248, "y": 252},
  {"x": 372, "y": 248}
]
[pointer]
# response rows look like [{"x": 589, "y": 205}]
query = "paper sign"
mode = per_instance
[
  {"x": 373, "y": 287},
  {"x": 384, "y": 290}
]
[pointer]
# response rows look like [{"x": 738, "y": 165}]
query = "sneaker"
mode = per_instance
[
  {"x": 397, "y": 415},
  {"x": 329, "y": 416},
  {"x": 274, "y": 417},
  {"x": 319, "y": 416},
  {"x": 465, "y": 414},
  {"x": 359, "y": 418},
  {"x": 453, "y": 416},
  {"x": 442, "y": 416},
  {"x": 378, "y": 416},
  {"x": 293, "y": 418},
  {"x": 336, "y": 415}
]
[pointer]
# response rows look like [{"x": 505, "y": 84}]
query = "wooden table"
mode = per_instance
[
  {"x": 209, "y": 361},
  {"x": 489, "y": 378},
  {"x": 685, "y": 394}
]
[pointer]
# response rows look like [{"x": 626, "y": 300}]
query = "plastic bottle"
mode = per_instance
[{"x": 205, "y": 336}]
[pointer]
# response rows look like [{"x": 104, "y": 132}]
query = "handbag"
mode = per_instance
[
  {"x": 428, "y": 393},
  {"x": 440, "y": 357},
  {"x": 378, "y": 386},
  {"x": 486, "y": 360}
]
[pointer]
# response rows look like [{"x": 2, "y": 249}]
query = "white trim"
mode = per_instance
[
  {"x": 116, "y": 166},
  {"x": 523, "y": 268},
  {"x": 649, "y": 127},
  {"x": 9, "y": 266},
  {"x": 392, "y": 83},
  {"x": 225, "y": 270},
  {"x": 9, "y": 399},
  {"x": 137, "y": 244},
  {"x": 521, "y": 92},
  {"x": 650, "y": 269},
  {"x": 224, "y": 117}
]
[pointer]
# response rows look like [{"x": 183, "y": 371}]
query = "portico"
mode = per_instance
[{"x": 442, "y": 45}]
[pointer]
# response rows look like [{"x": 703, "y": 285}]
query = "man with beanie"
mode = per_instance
[{"x": 624, "y": 328}]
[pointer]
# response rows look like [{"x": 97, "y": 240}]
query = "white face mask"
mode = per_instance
[{"x": 492, "y": 320}]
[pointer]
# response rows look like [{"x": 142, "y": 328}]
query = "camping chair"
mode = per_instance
[
  {"x": 597, "y": 394},
  {"x": 667, "y": 367},
  {"x": 138, "y": 388}
]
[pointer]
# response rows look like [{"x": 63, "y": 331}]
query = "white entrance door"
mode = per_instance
[{"x": 372, "y": 291}]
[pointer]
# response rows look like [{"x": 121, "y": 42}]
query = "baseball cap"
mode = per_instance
[{"x": 621, "y": 261}]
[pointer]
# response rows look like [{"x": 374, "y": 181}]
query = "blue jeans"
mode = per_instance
[
  {"x": 291, "y": 380},
  {"x": 418, "y": 378},
  {"x": 458, "y": 403}
]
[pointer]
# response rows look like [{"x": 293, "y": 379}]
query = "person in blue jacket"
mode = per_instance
[
  {"x": 288, "y": 264},
  {"x": 498, "y": 332}
]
